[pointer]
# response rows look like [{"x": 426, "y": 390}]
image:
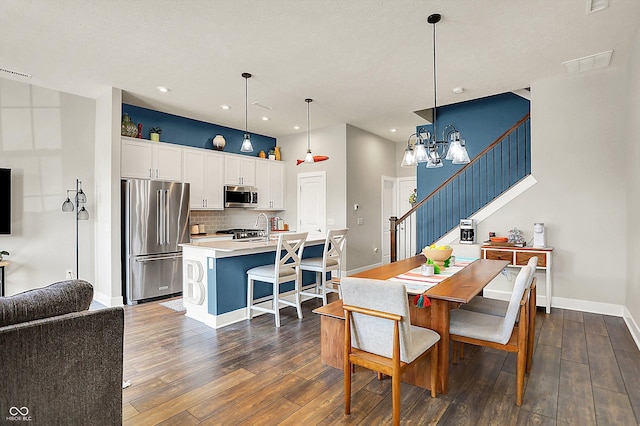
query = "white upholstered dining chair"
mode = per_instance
[
  {"x": 379, "y": 335},
  {"x": 495, "y": 307},
  {"x": 498, "y": 332},
  {"x": 331, "y": 260},
  {"x": 286, "y": 268}
]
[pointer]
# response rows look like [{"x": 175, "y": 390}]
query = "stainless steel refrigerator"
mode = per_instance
[{"x": 155, "y": 219}]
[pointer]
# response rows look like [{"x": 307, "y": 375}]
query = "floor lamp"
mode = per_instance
[{"x": 81, "y": 211}]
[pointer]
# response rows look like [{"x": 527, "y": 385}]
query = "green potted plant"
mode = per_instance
[
  {"x": 3, "y": 253},
  {"x": 154, "y": 134}
]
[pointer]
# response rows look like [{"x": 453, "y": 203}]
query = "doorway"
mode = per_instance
[{"x": 312, "y": 203}]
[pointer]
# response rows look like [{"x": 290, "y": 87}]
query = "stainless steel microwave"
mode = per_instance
[{"x": 240, "y": 196}]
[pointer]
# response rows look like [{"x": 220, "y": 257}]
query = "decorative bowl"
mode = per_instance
[
  {"x": 438, "y": 256},
  {"x": 499, "y": 239}
]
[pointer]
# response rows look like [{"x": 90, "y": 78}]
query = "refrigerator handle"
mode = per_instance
[
  {"x": 158, "y": 218},
  {"x": 167, "y": 215}
]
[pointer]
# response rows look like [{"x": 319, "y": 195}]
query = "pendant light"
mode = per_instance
[
  {"x": 427, "y": 147},
  {"x": 246, "y": 142},
  {"x": 309, "y": 157}
]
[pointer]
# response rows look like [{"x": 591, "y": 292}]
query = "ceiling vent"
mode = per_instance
[
  {"x": 588, "y": 63},
  {"x": 596, "y": 5},
  {"x": 14, "y": 73}
]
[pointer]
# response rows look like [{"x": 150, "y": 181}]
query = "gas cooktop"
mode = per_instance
[{"x": 240, "y": 233}]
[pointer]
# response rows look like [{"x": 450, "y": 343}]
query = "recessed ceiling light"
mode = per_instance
[
  {"x": 163, "y": 89},
  {"x": 392, "y": 130},
  {"x": 265, "y": 118},
  {"x": 225, "y": 107},
  {"x": 457, "y": 90},
  {"x": 296, "y": 127}
]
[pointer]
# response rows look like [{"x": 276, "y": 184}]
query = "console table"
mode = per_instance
[
  {"x": 519, "y": 256},
  {"x": 3, "y": 263}
]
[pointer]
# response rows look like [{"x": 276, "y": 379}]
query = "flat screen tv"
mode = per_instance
[{"x": 5, "y": 201}]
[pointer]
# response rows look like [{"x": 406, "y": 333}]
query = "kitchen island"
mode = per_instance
[{"x": 215, "y": 277}]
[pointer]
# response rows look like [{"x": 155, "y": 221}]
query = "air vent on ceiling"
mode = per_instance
[
  {"x": 256, "y": 103},
  {"x": 588, "y": 63},
  {"x": 596, "y": 5},
  {"x": 15, "y": 73}
]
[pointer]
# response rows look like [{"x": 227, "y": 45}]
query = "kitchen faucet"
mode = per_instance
[{"x": 266, "y": 223}]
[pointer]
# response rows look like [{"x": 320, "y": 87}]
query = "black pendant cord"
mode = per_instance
[
  {"x": 435, "y": 97},
  {"x": 308, "y": 101}
]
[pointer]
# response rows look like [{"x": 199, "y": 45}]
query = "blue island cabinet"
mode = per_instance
[{"x": 215, "y": 279}]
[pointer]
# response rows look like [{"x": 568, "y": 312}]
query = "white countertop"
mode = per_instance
[{"x": 226, "y": 248}]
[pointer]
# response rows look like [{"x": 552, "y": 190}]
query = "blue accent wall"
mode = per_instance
[
  {"x": 199, "y": 134},
  {"x": 480, "y": 122}
]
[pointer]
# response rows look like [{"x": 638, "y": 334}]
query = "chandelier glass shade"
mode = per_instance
[{"x": 428, "y": 148}]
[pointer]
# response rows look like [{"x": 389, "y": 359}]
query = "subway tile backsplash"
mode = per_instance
[{"x": 214, "y": 220}]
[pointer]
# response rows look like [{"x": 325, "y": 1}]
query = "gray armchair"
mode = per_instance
[{"x": 59, "y": 362}]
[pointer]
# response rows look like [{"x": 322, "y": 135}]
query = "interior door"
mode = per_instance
[
  {"x": 388, "y": 210},
  {"x": 312, "y": 203}
]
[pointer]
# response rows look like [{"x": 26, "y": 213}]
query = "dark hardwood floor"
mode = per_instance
[{"x": 586, "y": 371}]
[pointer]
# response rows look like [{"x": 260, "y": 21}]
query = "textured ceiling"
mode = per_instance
[{"x": 366, "y": 63}]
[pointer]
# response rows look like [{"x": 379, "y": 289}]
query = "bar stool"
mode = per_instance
[
  {"x": 331, "y": 260},
  {"x": 286, "y": 268}
]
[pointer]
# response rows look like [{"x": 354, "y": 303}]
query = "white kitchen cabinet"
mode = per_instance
[
  {"x": 239, "y": 170},
  {"x": 150, "y": 160},
  {"x": 203, "y": 170},
  {"x": 270, "y": 184}
]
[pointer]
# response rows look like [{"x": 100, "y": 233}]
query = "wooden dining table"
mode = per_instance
[{"x": 444, "y": 296}]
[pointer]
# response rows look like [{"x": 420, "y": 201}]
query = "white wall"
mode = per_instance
[
  {"x": 329, "y": 141},
  {"x": 368, "y": 158},
  {"x": 46, "y": 138},
  {"x": 578, "y": 136},
  {"x": 632, "y": 185}
]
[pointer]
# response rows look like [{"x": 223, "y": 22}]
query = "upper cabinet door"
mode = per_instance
[
  {"x": 276, "y": 185},
  {"x": 239, "y": 170},
  {"x": 167, "y": 162},
  {"x": 150, "y": 160},
  {"x": 135, "y": 159},
  {"x": 193, "y": 174},
  {"x": 213, "y": 181},
  {"x": 270, "y": 184}
]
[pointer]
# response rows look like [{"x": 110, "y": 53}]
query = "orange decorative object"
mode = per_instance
[
  {"x": 277, "y": 149},
  {"x": 316, "y": 158},
  {"x": 499, "y": 239},
  {"x": 262, "y": 154}
]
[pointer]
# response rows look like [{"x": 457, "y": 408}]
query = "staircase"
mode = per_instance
[{"x": 501, "y": 165}]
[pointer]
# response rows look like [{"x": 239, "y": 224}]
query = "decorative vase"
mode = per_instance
[
  {"x": 277, "y": 149},
  {"x": 155, "y": 137},
  {"x": 128, "y": 127},
  {"x": 139, "y": 130},
  {"x": 219, "y": 143}
]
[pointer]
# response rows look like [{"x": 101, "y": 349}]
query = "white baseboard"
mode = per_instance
[
  {"x": 632, "y": 325},
  {"x": 563, "y": 303},
  {"x": 364, "y": 268},
  {"x": 105, "y": 300}
]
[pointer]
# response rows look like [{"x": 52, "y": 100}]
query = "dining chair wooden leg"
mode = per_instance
[
  {"x": 346, "y": 364},
  {"x": 298, "y": 286},
  {"x": 434, "y": 369},
  {"x": 395, "y": 395},
  {"x": 380, "y": 376},
  {"x": 521, "y": 363},
  {"x": 532, "y": 327}
]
